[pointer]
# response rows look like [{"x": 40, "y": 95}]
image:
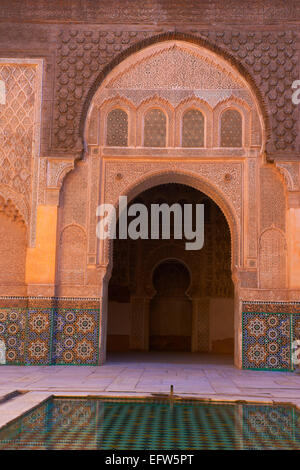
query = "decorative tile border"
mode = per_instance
[
  {"x": 50, "y": 331},
  {"x": 268, "y": 331},
  {"x": 45, "y": 331},
  {"x": 272, "y": 307}
]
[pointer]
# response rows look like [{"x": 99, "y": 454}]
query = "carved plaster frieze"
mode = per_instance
[
  {"x": 57, "y": 169},
  {"x": 20, "y": 133},
  {"x": 11, "y": 202},
  {"x": 175, "y": 96},
  {"x": 290, "y": 172},
  {"x": 222, "y": 182},
  {"x": 225, "y": 177},
  {"x": 187, "y": 67}
]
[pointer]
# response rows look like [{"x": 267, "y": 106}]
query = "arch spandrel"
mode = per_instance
[{"x": 165, "y": 176}]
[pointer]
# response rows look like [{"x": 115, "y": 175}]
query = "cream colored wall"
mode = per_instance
[
  {"x": 12, "y": 256},
  {"x": 118, "y": 322},
  {"x": 294, "y": 247},
  {"x": 221, "y": 321},
  {"x": 40, "y": 261},
  {"x": 171, "y": 316}
]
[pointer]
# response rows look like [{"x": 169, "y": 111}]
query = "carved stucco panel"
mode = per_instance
[
  {"x": 52, "y": 174},
  {"x": 176, "y": 96},
  {"x": 187, "y": 67},
  {"x": 20, "y": 121},
  {"x": 94, "y": 196},
  {"x": 42, "y": 180},
  {"x": 270, "y": 58},
  {"x": 224, "y": 180},
  {"x": 172, "y": 74},
  {"x": 290, "y": 172},
  {"x": 252, "y": 210},
  {"x": 273, "y": 200},
  {"x": 56, "y": 171},
  {"x": 7, "y": 195},
  {"x": 133, "y": 12},
  {"x": 16, "y": 129},
  {"x": 225, "y": 177},
  {"x": 272, "y": 260}
]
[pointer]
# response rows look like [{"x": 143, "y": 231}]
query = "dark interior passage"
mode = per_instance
[
  {"x": 170, "y": 308},
  {"x": 163, "y": 297}
]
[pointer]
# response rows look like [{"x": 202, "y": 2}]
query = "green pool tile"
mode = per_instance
[{"x": 136, "y": 424}]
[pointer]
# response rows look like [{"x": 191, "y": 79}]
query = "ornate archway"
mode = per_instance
[
  {"x": 142, "y": 291},
  {"x": 143, "y": 129},
  {"x": 139, "y": 99},
  {"x": 118, "y": 112}
]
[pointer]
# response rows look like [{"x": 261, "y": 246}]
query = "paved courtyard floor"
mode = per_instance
[{"x": 143, "y": 374}]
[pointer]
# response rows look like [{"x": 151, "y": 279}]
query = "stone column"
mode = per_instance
[
  {"x": 238, "y": 328},
  {"x": 103, "y": 274},
  {"x": 139, "y": 332},
  {"x": 238, "y": 333},
  {"x": 200, "y": 324}
]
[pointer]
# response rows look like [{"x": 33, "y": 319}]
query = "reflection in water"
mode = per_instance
[{"x": 129, "y": 424}]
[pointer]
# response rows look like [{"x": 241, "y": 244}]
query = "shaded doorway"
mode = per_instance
[
  {"x": 142, "y": 292},
  {"x": 170, "y": 308}
]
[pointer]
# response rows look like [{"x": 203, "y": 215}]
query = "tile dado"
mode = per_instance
[
  {"x": 269, "y": 330},
  {"x": 45, "y": 331}
]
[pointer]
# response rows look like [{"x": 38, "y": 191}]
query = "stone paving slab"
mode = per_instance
[
  {"x": 192, "y": 375},
  {"x": 19, "y": 405}
]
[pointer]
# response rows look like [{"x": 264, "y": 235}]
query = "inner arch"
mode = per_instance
[
  {"x": 163, "y": 297},
  {"x": 193, "y": 181},
  {"x": 173, "y": 71}
]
